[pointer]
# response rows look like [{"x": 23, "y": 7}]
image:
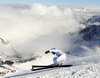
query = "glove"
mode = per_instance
[{"x": 47, "y": 52}]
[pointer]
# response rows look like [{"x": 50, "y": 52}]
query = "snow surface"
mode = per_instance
[
  {"x": 82, "y": 71},
  {"x": 27, "y": 31}
]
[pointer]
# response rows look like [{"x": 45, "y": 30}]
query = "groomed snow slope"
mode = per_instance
[
  {"x": 83, "y": 67},
  {"x": 82, "y": 71}
]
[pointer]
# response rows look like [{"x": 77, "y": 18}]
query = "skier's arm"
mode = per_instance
[
  {"x": 53, "y": 53},
  {"x": 49, "y": 51}
]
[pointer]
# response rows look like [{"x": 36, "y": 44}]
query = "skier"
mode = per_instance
[{"x": 61, "y": 56}]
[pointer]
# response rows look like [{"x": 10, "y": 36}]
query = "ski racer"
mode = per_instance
[{"x": 61, "y": 56}]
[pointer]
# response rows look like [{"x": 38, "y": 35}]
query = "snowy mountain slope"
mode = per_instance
[
  {"x": 82, "y": 71},
  {"x": 82, "y": 67},
  {"x": 30, "y": 30}
]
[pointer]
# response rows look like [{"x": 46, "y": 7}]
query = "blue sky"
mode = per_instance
[{"x": 54, "y": 2}]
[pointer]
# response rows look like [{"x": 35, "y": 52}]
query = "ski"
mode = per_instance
[
  {"x": 39, "y": 68},
  {"x": 51, "y": 66},
  {"x": 46, "y": 67}
]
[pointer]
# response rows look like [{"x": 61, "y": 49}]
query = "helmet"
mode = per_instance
[{"x": 53, "y": 48}]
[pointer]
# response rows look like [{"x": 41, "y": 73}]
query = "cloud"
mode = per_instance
[{"x": 36, "y": 28}]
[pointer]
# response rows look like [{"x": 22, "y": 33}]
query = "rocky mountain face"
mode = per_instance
[{"x": 92, "y": 30}]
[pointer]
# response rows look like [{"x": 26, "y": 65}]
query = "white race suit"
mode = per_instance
[{"x": 61, "y": 56}]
